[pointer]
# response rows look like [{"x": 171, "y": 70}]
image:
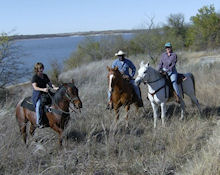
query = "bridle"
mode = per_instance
[{"x": 70, "y": 100}]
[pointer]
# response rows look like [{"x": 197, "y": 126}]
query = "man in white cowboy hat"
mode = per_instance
[{"x": 124, "y": 65}]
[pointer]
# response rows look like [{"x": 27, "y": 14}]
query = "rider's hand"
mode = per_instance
[
  {"x": 162, "y": 72},
  {"x": 45, "y": 90}
]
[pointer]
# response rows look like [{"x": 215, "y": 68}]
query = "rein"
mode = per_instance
[
  {"x": 154, "y": 80},
  {"x": 60, "y": 111},
  {"x": 164, "y": 86},
  {"x": 157, "y": 90}
]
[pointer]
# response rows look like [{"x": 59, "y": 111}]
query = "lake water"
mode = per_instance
[{"x": 46, "y": 50}]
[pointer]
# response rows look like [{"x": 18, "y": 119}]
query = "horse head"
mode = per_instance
[
  {"x": 143, "y": 73},
  {"x": 71, "y": 94},
  {"x": 114, "y": 74}
]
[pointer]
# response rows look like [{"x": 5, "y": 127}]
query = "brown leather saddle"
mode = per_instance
[{"x": 28, "y": 104}]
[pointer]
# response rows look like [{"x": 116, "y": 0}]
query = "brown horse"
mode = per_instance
[
  {"x": 122, "y": 91},
  {"x": 57, "y": 115}
]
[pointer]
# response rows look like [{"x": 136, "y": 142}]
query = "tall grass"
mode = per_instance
[{"x": 94, "y": 144}]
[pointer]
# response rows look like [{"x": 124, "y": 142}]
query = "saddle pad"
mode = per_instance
[{"x": 27, "y": 103}]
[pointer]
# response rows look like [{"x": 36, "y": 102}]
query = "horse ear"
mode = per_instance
[
  {"x": 108, "y": 68},
  {"x": 116, "y": 68},
  {"x": 142, "y": 64},
  {"x": 148, "y": 64}
]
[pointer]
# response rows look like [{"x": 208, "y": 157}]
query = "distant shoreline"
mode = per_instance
[{"x": 90, "y": 33}]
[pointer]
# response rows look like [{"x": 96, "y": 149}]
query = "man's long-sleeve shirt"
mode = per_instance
[
  {"x": 167, "y": 62},
  {"x": 123, "y": 67}
]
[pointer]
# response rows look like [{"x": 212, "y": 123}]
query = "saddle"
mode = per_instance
[
  {"x": 44, "y": 107},
  {"x": 180, "y": 79},
  {"x": 28, "y": 104}
]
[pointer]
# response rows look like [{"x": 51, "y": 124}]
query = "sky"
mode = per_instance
[{"x": 27, "y": 17}]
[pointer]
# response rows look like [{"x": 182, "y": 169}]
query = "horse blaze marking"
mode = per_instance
[{"x": 110, "y": 82}]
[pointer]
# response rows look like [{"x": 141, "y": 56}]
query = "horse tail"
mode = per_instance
[
  {"x": 193, "y": 80},
  {"x": 22, "y": 120}
]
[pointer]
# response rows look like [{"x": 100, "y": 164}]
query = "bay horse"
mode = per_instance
[
  {"x": 157, "y": 90},
  {"x": 123, "y": 93},
  {"x": 57, "y": 115}
]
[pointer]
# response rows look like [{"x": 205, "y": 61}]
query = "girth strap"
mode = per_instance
[{"x": 164, "y": 86}]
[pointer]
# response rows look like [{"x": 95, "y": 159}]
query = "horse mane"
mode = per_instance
[
  {"x": 59, "y": 94},
  {"x": 155, "y": 71},
  {"x": 120, "y": 76}
]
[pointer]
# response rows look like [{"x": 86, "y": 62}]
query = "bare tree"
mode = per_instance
[
  {"x": 150, "y": 41},
  {"x": 55, "y": 71},
  {"x": 11, "y": 68}
]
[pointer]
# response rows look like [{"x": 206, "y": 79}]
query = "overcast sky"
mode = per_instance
[{"x": 63, "y": 16}]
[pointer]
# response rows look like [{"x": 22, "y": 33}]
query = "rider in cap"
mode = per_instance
[{"x": 168, "y": 64}]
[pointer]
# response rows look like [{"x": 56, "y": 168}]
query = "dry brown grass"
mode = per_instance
[{"x": 95, "y": 145}]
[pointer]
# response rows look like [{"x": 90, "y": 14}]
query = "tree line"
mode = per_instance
[{"x": 202, "y": 33}]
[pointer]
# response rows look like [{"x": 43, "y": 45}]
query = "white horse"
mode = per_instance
[{"x": 158, "y": 91}]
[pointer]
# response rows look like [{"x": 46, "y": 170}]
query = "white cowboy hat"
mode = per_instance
[{"x": 120, "y": 52}]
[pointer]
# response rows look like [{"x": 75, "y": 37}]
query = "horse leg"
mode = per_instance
[
  {"x": 182, "y": 106},
  {"x": 155, "y": 110},
  {"x": 116, "y": 114},
  {"x": 127, "y": 107},
  {"x": 22, "y": 122},
  {"x": 195, "y": 100},
  {"x": 60, "y": 131},
  {"x": 163, "y": 113},
  {"x": 32, "y": 129},
  {"x": 23, "y": 129}
]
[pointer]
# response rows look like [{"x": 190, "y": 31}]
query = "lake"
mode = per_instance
[{"x": 46, "y": 50}]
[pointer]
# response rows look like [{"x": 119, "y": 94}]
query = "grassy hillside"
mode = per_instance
[{"x": 95, "y": 145}]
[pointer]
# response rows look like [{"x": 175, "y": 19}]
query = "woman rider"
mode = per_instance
[
  {"x": 168, "y": 64},
  {"x": 39, "y": 83}
]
